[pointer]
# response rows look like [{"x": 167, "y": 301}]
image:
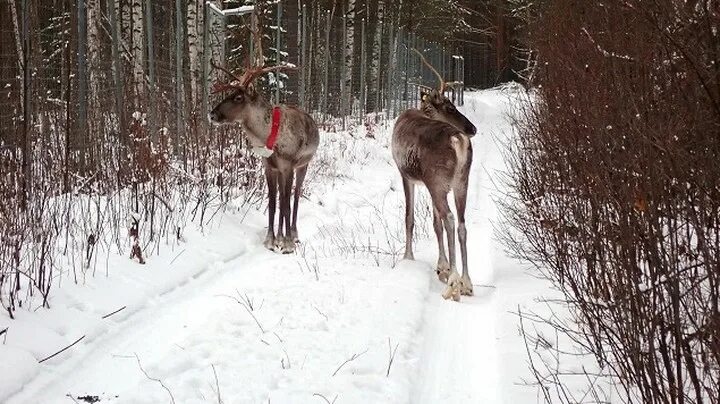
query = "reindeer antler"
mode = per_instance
[
  {"x": 226, "y": 71},
  {"x": 253, "y": 73},
  {"x": 248, "y": 76},
  {"x": 442, "y": 81},
  {"x": 219, "y": 86}
]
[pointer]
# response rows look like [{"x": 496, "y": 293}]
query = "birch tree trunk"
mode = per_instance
[
  {"x": 194, "y": 17},
  {"x": 138, "y": 50},
  {"x": 94, "y": 143},
  {"x": 376, "y": 56},
  {"x": 125, "y": 19},
  {"x": 349, "y": 48},
  {"x": 18, "y": 47},
  {"x": 93, "y": 19}
]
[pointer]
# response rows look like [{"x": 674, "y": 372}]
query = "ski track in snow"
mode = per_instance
[{"x": 339, "y": 297}]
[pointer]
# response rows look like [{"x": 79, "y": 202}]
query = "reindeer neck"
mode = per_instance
[
  {"x": 426, "y": 111},
  {"x": 257, "y": 123}
]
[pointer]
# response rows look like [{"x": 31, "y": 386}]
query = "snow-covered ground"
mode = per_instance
[{"x": 221, "y": 319}]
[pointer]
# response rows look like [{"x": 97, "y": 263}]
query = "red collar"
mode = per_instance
[{"x": 274, "y": 128}]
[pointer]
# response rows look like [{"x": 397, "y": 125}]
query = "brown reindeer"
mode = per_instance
[
  {"x": 431, "y": 146},
  {"x": 287, "y": 136}
]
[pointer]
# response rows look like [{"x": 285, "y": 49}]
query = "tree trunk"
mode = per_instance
[
  {"x": 194, "y": 16},
  {"x": 93, "y": 67},
  {"x": 501, "y": 51},
  {"x": 125, "y": 18},
  {"x": 375, "y": 76},
  {"x": 18, "y": 47},
  {"x": 349, "y": 49},
  {"x": 138, "y": 49}
]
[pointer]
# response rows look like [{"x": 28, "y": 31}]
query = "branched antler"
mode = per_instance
[
  {"x": 252, "y": 74},
  {"x": 224, "y": 70},
  {"x": 249, "y": 75},
  {"x": 220, "y": 86},
  {"x": 442, "y": 81}
]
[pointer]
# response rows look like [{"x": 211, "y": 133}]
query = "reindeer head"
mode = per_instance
[
  {"x": 436, "y": 106},
  {"x": 243, "y": 100},
  {"x": 236, "y": 106}
]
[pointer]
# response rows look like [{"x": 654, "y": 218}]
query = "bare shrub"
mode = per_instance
[{"x": 616, "y": 194}]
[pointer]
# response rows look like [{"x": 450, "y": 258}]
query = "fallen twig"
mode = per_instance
[
  {"x": 114, "y": 312},
  {"x": 172, "y": 399},
  {"x": 176, "y": 257},
  {"x": 217, "y": 385},
  {"x": 321, "y": 313},
  {"x": 391, "y": 354},
  {"x": 62, "y": 350},
  {"x": 352, "y": 358},
  {"x": 248, "y": 307},
  {"x": 325, "y": 398},
  {"x": 70, "y": 396},
  {"x": 282, "y": 361}
]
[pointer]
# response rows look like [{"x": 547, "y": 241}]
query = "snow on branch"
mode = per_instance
[
  {"x": 603, "y": 51},
  {"x": 231, "y": 11}
]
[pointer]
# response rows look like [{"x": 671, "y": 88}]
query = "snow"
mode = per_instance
[
  {"x": 230, "y": 11},
  {"x": 220, "y": 316}
]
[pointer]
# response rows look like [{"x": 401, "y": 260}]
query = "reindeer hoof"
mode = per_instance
[
  {"x": 443, "y": 274},
  {"x": 269, "y": 242},
  {"x": 451, "y": 293},
  {"x": 285, "y": 245},
  {"x": 454, "y": 287},
  {"x": 466, "y": 287},
  {"x": 294, "y": 236}
]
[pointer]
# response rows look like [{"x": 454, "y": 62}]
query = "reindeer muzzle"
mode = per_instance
[
  {"x": 216, "y": 117},
  {"x": 470, "y": 129}
]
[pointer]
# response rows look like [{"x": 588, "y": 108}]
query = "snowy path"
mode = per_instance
[
  {"x": 310, "y": 313},
  {"x": 321, "y": 323}
]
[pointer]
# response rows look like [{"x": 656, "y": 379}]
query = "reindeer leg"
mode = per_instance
[
  {"x": 441, "y": 204},
  {"x": 281, "y": 178},
  {"x": 443, "y": 267},
  {"x": 271, "y": 179},
  {"x": 284, "y": 244},
  {"x": 460, "y": 193},
  {"x": 409, "y": 189},
  {"x": 300, "y": 173}
]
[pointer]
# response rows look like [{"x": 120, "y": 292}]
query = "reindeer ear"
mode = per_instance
[{"x": 423, "y": 95}]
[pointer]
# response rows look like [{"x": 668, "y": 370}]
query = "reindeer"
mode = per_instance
[
  {"x": 431, "y": 146},
  {"x": 286, "y": 136}
]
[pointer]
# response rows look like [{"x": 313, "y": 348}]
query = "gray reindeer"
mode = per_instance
[
  {"x": 286, "y": 136},
  {"x": 432, "y": 146}
]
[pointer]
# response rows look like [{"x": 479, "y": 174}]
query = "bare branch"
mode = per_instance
[
  {"x": 217, "y": 385},
  {"x": 391, "y": 354},
  {"x": 325, "y": 398},
  {"x": 62, "y": 350},
  {"x": 352, "y": 358},
  {"x": 172, "y": 398}
]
